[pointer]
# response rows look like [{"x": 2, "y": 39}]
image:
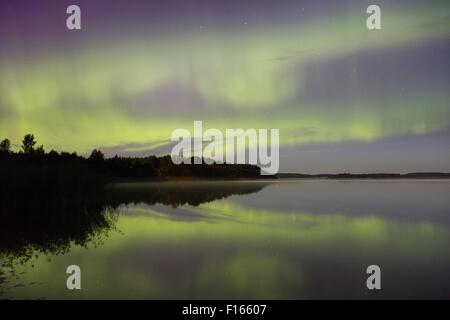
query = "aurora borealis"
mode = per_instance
[{"x": 344, "y": 98}]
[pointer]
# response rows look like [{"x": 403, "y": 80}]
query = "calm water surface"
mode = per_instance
[{"x": 250, "y": 240}]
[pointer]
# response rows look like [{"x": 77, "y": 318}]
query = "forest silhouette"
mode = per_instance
[{"x": 32, "y": 161}]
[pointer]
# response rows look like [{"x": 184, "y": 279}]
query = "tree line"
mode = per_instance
[{"x": 32, "y": 154}]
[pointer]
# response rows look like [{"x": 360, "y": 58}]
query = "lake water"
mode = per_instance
[{"x": 287, "y": 239}]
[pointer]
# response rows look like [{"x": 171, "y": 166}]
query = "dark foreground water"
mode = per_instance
[{"x": 244, "y": 240}]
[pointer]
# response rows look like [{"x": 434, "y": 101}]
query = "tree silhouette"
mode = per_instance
[
  {"x": 40, "y": 150},
  {"x": 5, "y": 146},
  {"x": 28, "y": 143},
  {"x": 96, "y": 156}
]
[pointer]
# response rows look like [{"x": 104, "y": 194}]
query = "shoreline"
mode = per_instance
[
  {"x": 367, "y": 176},
  {"x": 271, "y": 179}
]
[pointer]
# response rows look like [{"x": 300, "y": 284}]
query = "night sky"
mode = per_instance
[{"x": 344, "y": 98}]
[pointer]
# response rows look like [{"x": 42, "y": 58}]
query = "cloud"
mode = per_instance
[
  {"x": 281, "y": 58},
  {"x": 167, "y": 97},
  {"x": 377, "y": 74},
  {"x": 139, "y": 149},
  {"x": 404, "y": 153}
]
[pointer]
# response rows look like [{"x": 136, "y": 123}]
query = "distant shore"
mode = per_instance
[
  {"x": 412, "y": 175},
  {"x": 292, "y": 176}
]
